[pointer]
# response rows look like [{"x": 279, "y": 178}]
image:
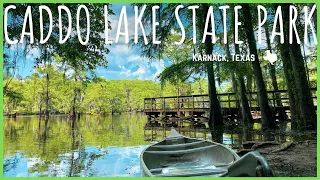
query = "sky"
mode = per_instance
[{"x": 124, "y": 62}]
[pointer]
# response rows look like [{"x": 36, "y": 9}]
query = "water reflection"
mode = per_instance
[
  {"x": 234, "y": 137},
  {"x": 100, "y": 146},
  {"x": 84, "y": 162},
  {"x": 90, "y": 146}
]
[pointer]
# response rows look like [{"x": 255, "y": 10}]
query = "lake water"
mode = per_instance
[{"x": 92, "y": 146}]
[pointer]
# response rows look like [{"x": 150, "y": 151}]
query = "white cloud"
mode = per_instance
[
  {"x": 136, "y": 58},
  {"x": 159, "y": 65},
  {"x": 140, "y": 71},
  {"x": 146, "y": 69},
  {"x": 125, "y": 71}
]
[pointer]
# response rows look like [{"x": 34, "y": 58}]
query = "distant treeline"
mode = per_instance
[{"x": 83, "y": 94}]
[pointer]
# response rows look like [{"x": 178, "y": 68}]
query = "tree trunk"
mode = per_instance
[
  {"x": 215, "y": 116},
  {"x": 40, "y": 111},
  {"x": 128, "y": 98},
  {"x": 307, "y": 110},
  {"x": 235, "y": 89},
  {"x": 266, "y": 114},
  {"x": 249, "y": 88},
  {"x": 282, "y": 113},
  {"x": 246, "y": 113},
  {"x": 287, "y": 68},
  {"x": 245, "y": 108},
  {"x": 288, "y": 72},
  {"x": 47, "y": 96},
  {"x": 233, "y": 76},
  {"x": 306, "y": 64},
  {"x": 73, "y": 112}
]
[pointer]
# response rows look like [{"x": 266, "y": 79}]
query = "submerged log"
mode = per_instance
[
  {"x": 284, "y": 146},
  {"x": 257, "y": 144}
]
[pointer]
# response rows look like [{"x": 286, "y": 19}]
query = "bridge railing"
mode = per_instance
[{"x": 227, "y": 100}]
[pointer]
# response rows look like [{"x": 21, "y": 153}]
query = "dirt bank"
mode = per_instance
[{"x": 290, "y": 159}]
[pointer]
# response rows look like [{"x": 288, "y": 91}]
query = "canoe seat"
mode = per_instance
[
  {"x": 182, "y": 151},
  {"x": 178, "y": 145},
  {"x": 202, "y": 172}
]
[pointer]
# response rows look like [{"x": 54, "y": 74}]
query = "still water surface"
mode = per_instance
[{"x": 106, "y": 146}]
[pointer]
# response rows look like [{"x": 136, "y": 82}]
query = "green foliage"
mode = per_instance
[
  {"x": 97, "y": 96},
  {"x": 91, "y": 55},
  {"x": 13, "y": 97}
]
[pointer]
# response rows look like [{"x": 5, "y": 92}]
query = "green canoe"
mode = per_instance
[{"x": 180, "y": 156}]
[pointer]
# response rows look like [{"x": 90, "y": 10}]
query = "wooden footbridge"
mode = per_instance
[{"x": 174, "y": 110}]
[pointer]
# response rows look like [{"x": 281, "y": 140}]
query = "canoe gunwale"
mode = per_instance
[
  {"x": 183, "y": 151},
  {"x": 202, "y": 173},
  {"x": 178, "y": 145}
]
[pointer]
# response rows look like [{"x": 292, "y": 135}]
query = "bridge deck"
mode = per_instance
[{"x": 278, "y": 100}]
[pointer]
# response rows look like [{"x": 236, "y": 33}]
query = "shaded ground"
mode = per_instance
[{"x": 289, "y": 159}]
